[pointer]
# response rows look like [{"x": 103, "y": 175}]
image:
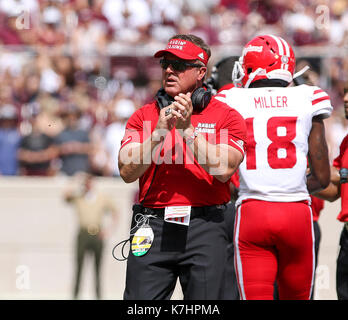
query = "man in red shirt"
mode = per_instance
[
  {"x": 338, "y": 187},
  {"x": 183, "y": 148}
]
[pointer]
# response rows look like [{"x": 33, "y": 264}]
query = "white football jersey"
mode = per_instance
[{"x": 278, "y": 121}]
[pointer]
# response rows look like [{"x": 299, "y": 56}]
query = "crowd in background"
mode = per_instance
[{"x": 73, "y": 71}]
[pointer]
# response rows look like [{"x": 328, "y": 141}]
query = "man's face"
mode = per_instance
[
  {"x": 175, "y": 82},
  {"x": 345, "y": 101}
]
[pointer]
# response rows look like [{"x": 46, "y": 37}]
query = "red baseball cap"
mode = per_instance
[{"x": 184, "y": 49}]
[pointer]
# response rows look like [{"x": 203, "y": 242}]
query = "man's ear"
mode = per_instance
[{"x": 201, "y": 73}]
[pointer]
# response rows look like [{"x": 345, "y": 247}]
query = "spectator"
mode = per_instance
[
  {"x": 9, "y": 140},
  {"x": 164, "y": 14},
  {"x": 36, "y": 152},
  {"x": 130, "y": 19},
  {"x": 9, "y": 34},
  {"x": 271, "y": 10},
  {"x": 121, "y": 112},
  {"x": 50, "y": 80},
  {"x": 73, "y": 143},
  {"x": 88, "y": 40},
  {"x": 50, "y": 33}
]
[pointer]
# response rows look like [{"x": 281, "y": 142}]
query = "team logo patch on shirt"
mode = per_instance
[
  {"x": 206, "y": 127},
  {"x": 241, "y": 143}
]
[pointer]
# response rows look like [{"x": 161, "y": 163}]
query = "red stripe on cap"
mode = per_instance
[
  {"x": 184, "y": 49},
  {"x": 319, "y": 100},
  {"x": 318, "y": 91}
]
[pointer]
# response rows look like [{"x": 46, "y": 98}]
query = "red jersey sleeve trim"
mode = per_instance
[{"x": 320, "y": 99}]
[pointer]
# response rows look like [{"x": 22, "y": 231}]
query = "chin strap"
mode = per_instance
[
  {"x": 252, "y": 76},
  {"x": 301, "y": 72}
]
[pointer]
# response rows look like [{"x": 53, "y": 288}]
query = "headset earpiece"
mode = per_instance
[
  {"x": 201, "y": 97},
  {"x": 163, "y": 99}
]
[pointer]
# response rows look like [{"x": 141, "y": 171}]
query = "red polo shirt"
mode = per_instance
[
  {"x": 179, "y": 179},
  {"x": 342, "y": 162}
]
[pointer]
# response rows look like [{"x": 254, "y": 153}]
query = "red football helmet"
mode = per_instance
[{"x": 264, "y": 57}]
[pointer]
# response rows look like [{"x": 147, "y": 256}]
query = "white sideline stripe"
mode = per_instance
[
  {"x": 313, "y": 253},
  {"x": 238, "y": 259}
]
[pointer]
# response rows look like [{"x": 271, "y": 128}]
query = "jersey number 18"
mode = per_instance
[{"x": 279, "y": 141}]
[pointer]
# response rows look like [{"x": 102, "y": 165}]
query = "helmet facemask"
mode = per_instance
[{"x": 238, "y": 73}]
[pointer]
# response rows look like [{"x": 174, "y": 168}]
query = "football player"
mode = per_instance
[{"x": 273, "y": 233}]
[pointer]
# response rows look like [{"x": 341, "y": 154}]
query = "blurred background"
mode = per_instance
[{"x": 73, "y": 71}]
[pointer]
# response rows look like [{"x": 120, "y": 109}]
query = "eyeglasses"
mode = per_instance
[{"x": 178, "y": 65}]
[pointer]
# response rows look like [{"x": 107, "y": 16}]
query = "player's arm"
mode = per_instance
[
  {"x": 318, "y": 157},
  {"x": 333, "y": 191}
]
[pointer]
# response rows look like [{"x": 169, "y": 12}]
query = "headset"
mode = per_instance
[{"x": 200, "y": 98}]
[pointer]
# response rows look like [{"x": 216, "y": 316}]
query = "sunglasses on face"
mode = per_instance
[{"x": 178, "y": 65}]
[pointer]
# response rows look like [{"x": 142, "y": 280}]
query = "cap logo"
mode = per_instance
[
  {"x": 201, "y": 55},
  {"x": 240, "y": 142},
  {"x": 184, "y": 49},
  {"x": 176, "y": 44}
]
